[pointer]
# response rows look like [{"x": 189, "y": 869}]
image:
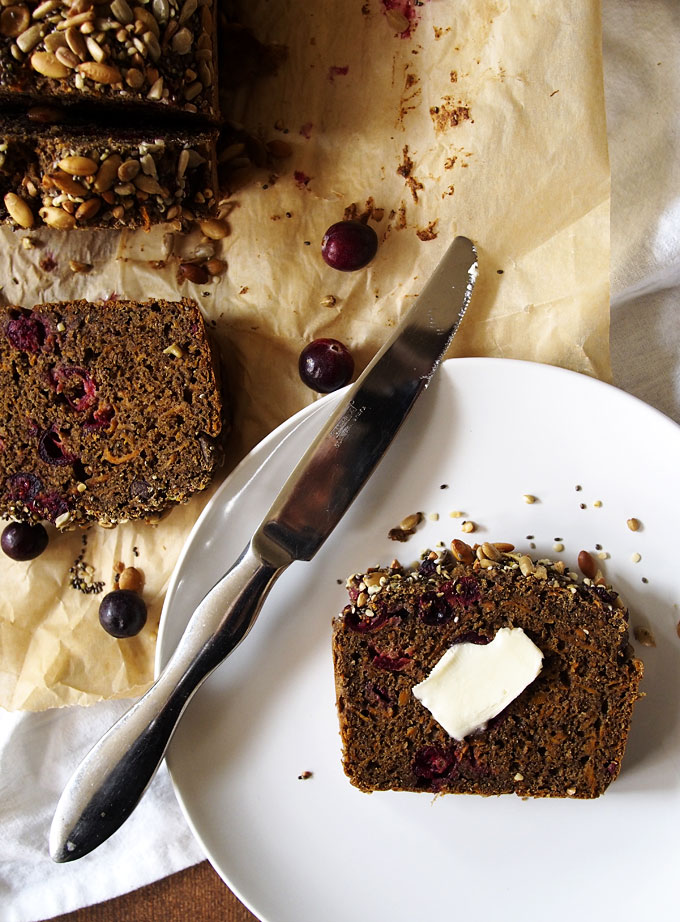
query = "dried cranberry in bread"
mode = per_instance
[
  {"x": 110, "y": 410},
  {"x": 563, "y": 735}
]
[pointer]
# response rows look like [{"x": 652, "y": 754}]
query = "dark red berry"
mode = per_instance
[
  {"x": 76, "y": 385},
  {"x": 22, "y": 541},
  {"x": 472, "y": 637},
  {"x": 28, "y": 333},
  {"x": 325, "y": 365},
  {"x": 390, "y": 663},
  {"x": 364, "y": 625},
  {"x": 432, "y": 762},
  {"x": 141, "y": 490},
  {"x": 349, "y": 245},
  {"x": 463, "y": 592},
  {"x": 24, "y": 486},
  {"x": 434, "y": 609},
  {"x": 100, "y": 419},
  {"x": 122, "y": 613},
  {"x": 49, "y": 505},
  {"x": 52, "y": 449}
]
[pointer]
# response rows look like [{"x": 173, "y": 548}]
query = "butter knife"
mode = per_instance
[{"x": 108, "y": 784}]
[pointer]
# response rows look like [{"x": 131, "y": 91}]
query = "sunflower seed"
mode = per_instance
[
  {"x": 29, "y": 38},
  {"x": 128, "y": 170},
  {"x": 161, "y": 11},
  {"x": 66, "y": 57},
  {"x": 181, "y": 41},
  {"x": 76, "y": 43},
  {"x": 151, "y": 42},
  {"x": 147, "y": 20},
  {"x": 149, "y": 166},
  {"x": 44, "y": 9},
  {"x": 53, "y": 41},
  {"x": 97, "y": 53},
  {"x": 148, "y": 184},
  {"x": 156, "y": 91},
  {"x": 188, "y": 9},
  {"x": 193, "y": 90},
  {"x": 122, "y": 12}
]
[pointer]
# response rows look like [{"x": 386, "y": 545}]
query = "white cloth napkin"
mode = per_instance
[
  {"x": 37, "y": 754},
  {"x": 37, "y": 751}
]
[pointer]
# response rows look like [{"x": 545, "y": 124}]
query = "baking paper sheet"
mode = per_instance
[{"x": 485, "y": 118}]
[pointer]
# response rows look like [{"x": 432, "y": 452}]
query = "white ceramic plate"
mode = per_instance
[{"x": 317, "y": 849}]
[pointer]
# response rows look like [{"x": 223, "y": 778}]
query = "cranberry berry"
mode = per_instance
[
  {"x": 349, "y": 245},
  {"x": 22, "y": 541},
  {"x": 325, "y": 365},
  {"x": 122, "y": 613}
]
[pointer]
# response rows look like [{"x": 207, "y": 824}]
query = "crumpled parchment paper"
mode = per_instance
[{"x": 485, "y": 118}]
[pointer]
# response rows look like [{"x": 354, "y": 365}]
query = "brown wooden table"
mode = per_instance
[{"x": 194, "y": 895}]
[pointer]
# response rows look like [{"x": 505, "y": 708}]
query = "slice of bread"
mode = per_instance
[{"x": 564, "y": 735}]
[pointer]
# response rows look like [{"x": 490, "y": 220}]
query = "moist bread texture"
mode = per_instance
[
  {"x": 563, "y": 736},
  {"x": 110, "y": 410}
]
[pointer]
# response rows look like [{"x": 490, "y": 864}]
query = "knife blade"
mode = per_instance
[{"x": 108, "y": 784}]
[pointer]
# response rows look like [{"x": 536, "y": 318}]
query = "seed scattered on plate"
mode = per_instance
[
  {"x": 634, "y": 524},
  {"x": 644, "y": 636},
  {"x": 529, "y": 498},
  {"x": 636, "y": 558}
]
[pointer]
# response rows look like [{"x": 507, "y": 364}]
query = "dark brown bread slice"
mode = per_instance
[
  {"x": 71, "y": 175},
  {"x": 109, "y": 410},
  {"x": 159, "y": 56},
  {"x": 564, "y": 735}
]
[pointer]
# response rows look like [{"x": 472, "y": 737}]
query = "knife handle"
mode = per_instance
[{"x": 109, "y": 782}]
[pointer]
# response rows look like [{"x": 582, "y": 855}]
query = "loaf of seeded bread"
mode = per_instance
[
  {"x": 563, "y": 735},
  {"x": 71, "y": 175},
  {"x": 110, "y": 410},
  {"x": 158, "y": 56}
]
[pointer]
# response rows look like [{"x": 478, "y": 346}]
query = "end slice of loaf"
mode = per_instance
[{"x": 110, "y": 410}]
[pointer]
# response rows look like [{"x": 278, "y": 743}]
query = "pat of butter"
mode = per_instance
[{"x": 472, "y": 683}]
